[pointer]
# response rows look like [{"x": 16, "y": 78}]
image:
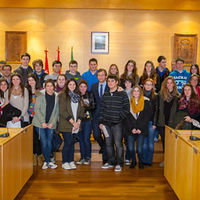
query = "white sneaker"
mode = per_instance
[
  {"x": 86, "y": 161},
  {"x": 80, "y": 162},
  {"x": 106, "y": 166},
  {"x": 52, "y": 159},
  {"x": 162, "y": 164},
  {"x": 118, "y": 168},
  {"x": 72, "y": 165},
  {"x": 66, "y": 166},
  {"x": 44, "y": 166},
  {"x": 127, "y": 162},
  {"x": 52, "y": 165}
]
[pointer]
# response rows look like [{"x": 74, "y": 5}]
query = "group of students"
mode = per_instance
[{"x": 117, "y": 109}]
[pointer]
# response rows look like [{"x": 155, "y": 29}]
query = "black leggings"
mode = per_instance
[{"x": 161, "y": 131}]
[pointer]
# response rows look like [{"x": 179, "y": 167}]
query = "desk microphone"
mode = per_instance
[
  {"x": 6, "y": 134},
  {"x": 194, "y": 138}
]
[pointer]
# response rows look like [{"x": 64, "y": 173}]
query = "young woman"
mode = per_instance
[
  {"x": 70, "y": 115},
  {"x": 188, "y": 105},
  {"x": 149, "y": 72},
  {"x": 87, "y": 101},
  {"x": 60, "y": 83},
  {"x": 45, "y": 120},
  {"x": 194, "y": 81},
  {"x": 128, "y": 89},
  {"x": 33, "y": 87},
  {"x": 194, "y": 69},
  {"x": 130, "y": 71},
  {"x": 18, "y": 97},
  {"x": 167, "y": 105},
  {"x": 148, "y": 147},
  {"x": 137, "y": 124},
  {"x": 113, "y": 70}
]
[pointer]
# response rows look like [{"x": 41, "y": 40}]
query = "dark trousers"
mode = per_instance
[
  {"x": 131, "y": 145},
  {"x": 127, "y": 154},
  {"x": 68, "y": 149},
  {"x": 161, "y": 131},
  {"x": 114, "y": 144},
  {"x": 98, "y": 137},
  {"x": 36, "y": 142},
  {"x": 84, "y": 139}
]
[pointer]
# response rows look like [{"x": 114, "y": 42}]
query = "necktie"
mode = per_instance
[{"x": 101, "y": 91}]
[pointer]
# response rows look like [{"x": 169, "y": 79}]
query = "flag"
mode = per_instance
[
  {"x": 58, "y": 56},
  {"x": 46, "y": 64},
  {"x": 72, "y": 54}
]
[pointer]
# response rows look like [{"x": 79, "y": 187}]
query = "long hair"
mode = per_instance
[
  {"x": 153, "y": 94},
  {"x": 140, "y": 89},
  {"x": 11, "y": 85},
  {"x": 165, "y": 91},
  {"x": 152, "y": 73},
  {"x": 193, "y": 75},
  {"x": 83, "y": 82},
  {"x": 66, "y": 88},
  {"x": 1, "y": 92},
  {"x": 197, "y": 68},
  {"x": 134, "y": 72},
  {"x": 109, "y": 71}
]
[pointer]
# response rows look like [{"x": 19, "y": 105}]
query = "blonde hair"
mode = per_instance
[{"x": 140, "y": 89}]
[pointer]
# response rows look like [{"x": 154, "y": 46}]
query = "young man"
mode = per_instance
[
  {"x": 91, "y": 75},
  {"x": 24, "y": 69},
  {"x": 161, "y": 72},
  {"x": 115, "y": 107},
  {"x": 6, "y": 72},
  {"x": 180, "y": 75},
  {"x": 173, "y": 65},
  {"x": 98, "y": 90},
  {"x": 2, "y": 63},
  {"x": 56, "y": 65},
  {"x": 72, "y": 72},
  {"x": 39, "y": 71}
]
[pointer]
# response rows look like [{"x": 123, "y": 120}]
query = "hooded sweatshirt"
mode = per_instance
[
  {"x": 180, "y": 78},
  {"x": 77, "y": 76}
]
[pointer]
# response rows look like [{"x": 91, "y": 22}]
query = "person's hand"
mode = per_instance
[
  {"x": 5, "y": 103},
  {"x": 119, "y": 89},
  {"x": 138, "y": 131},
  {"x": 134, "y": 131},
  {"x": 188, "y": 119},
  {"x": 15, "y": 119},
  {"x": 101, "y": 126},
  {"x": 44, "y": 125},
  {"x": 50, "y": 126},
  {"x": 153, "y": 127},
  {"x": 76, "y": 125}
]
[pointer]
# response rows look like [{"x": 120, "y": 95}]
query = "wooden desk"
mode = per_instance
[
  {"x": 16, "y": 161},
  {"x": 182, "y": 163}
]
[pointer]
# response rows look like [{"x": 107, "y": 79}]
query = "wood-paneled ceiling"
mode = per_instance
[{"x": 105, "y": 4}]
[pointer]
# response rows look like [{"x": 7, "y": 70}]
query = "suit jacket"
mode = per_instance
[{"x": 97, "y": 99}]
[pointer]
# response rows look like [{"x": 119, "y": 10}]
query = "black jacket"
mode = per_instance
[{"x": 141, "y": 122}]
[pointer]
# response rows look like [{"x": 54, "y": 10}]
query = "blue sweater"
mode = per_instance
[
  {"x": 180, "y": 78},
  {"x": 90, "y": 78}
]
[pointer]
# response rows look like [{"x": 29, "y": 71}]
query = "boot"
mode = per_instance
[
  {"x": 34, "y": 159},
  {"x": 40, "y": 160}
]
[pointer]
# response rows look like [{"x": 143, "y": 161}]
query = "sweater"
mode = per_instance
[
  {"x": 77, "y": 77},
  {"x": 114, "y": 107},
  {"x": 40, "y": 112},
  {"x": 180, "y": 78},
  {"x": 90, "y": 78}
]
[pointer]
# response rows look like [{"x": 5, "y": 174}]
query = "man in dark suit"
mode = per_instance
[{"x": 98, "y": 89}]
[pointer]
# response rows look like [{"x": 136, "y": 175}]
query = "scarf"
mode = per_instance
[
  {"x": 170, "y": 96},
  {"x": 74, "y": 97},
  {"x": 137, "y": 107}
]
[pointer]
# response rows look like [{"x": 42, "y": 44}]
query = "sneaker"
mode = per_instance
[
  {"x": 132, "y": 165},
  {"x": 106, "y": 166},
  {"x": 44, "y": 166},
  {"x": 66, "y": 166},
  {"x": 72, "y": 165},
  {"x": 156, "y": 139},
  {"x": 52, "y": 165},
  {"x": 52, "y": 159},
  {"x": 162, "y": 164},
  {"x": 118, "y": 168},
  {"x": 80, "y": 162},
  {"x": 86, "y": 161},
  {"x": 127, "y": 162}
]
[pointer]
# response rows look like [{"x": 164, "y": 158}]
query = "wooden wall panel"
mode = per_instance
[{"x": 139, "y": 35}]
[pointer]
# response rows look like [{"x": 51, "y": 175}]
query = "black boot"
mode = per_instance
[{"x": 133, "y": 164}]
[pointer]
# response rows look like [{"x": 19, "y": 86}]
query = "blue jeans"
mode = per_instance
[
  {"x": 98, "y": 137},
  {"x": 148, "y": 147},
  {"x": 68, "y": 149},
  {"x": 131, "y": 145},
  {"x": 84, "y": 139},
  {"x": 46, "y": 138}
]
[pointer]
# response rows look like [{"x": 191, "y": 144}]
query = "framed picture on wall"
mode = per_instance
[
  {"x": 185, "y": 46},
  {"x": 16, "y": 45},
  {"x": 100, "y": 42}
]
